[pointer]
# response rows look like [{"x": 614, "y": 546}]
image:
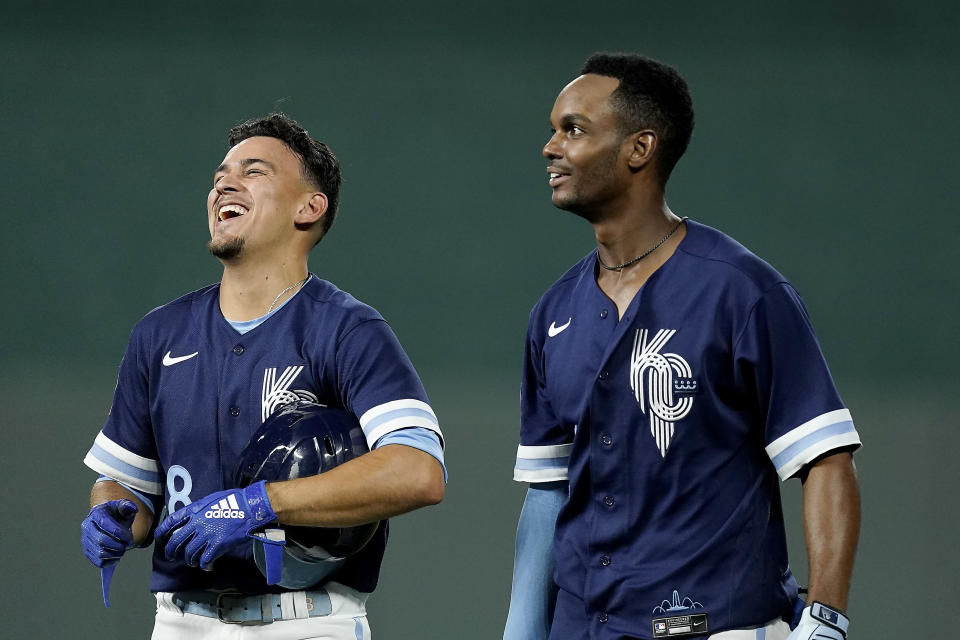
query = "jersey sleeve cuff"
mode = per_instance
[
  {"x": 542, "y": 463},
  {"x": 803, "y": 444},
  {"x": 398, "y": 414},
  {"x": 110, "y": 459}
]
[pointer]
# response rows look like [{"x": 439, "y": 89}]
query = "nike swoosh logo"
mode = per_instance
[
  {"x": 553, "y": 330},
  {"x": 169, "y": 360}
]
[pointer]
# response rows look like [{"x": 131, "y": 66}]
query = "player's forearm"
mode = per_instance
[
  {"x": 831, "y": 517},
  {"x": 108, "y": 490},
  {"x": 386, "y": 482}
]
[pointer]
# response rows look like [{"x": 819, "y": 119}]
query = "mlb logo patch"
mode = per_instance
[{"x": 660, "y": 627}]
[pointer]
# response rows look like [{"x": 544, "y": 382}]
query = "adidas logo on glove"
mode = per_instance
[{"x": 226, "y": 508}]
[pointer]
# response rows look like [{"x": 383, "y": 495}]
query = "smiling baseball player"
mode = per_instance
[
  {"x": 671, "y": 379},
  {"x": 202, "y": 373}
]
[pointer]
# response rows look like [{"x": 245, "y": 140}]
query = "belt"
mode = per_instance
[{"x": 237, "y": 608}]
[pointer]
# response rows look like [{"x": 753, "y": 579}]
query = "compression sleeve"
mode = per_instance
[{"x": 533, "y": 594}]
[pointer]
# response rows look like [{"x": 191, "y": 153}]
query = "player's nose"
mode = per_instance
[
  {"x": 552, "y": 150},
  {"x": 227, "y": 183}
]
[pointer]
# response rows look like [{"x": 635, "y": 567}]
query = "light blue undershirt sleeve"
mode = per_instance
[
  {"x": 418, "y": 438},
  {"x": 149, "y": 501},
  {"x": 534, "y": 594}
]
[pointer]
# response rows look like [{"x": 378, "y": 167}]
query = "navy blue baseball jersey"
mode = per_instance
[
  {"x": 672, "y": 427},
  {"x": 192, "y": 390}
]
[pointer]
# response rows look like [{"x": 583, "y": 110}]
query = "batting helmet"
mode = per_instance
[{"x": 303, "y": 439}]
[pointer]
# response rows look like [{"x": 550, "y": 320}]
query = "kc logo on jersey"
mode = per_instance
[
  {"x": 662, "y": 383},
  {"x": 276, "y": 390}
]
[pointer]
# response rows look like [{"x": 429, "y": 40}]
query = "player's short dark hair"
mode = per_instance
[
  {"x": 320, "y": 167},
  {"x": 651, "y": 95}
]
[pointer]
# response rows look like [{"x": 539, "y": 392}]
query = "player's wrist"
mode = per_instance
[{"x": 258, "y": 501}]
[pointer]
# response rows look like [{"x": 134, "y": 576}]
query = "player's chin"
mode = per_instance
[
  {"x": 564, "y": 196},
  {"x": 559, "y": 199},
  {"x": 225, "y": 247}
]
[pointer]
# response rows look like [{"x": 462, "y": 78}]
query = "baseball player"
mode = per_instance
[
  {"x": 671, "y": 380},
  {"x": 202, "y": 373}
]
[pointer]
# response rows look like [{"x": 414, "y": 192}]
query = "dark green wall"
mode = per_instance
[{"x": 825, "y": 142}]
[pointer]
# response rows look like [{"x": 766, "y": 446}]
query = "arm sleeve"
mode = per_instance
[
  {"x": 545, "y": 444},
  {"x": 779, "y": 359},
  {"x": 125, "y": 449},
  {"x": 378, "y": 383},
  {"x": 533, "y": 594}
]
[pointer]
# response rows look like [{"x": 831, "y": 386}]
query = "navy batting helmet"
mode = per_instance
[{"x": 303, "y": 439}]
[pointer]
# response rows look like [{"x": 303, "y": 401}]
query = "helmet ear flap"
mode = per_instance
[{"x": 298, "y": 440}]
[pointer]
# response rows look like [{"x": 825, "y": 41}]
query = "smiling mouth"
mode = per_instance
[
  {"x": 556, "y": 178},
  {"x": 230, "y": 211}
]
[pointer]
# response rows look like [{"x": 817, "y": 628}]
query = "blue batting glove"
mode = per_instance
[
  {"x": 820, "y": 622},
  {"x": 204, "y": 530},
  {"x": 106, "y": 533}
]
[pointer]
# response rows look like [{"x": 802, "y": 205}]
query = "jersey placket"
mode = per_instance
[{"x": 608, "y": 458}]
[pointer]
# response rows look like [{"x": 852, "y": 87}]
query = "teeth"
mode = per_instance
[
  {"x": 554, "y": 175},
  {"x": 231, "y": 208}
]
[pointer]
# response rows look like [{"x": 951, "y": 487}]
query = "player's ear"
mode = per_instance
[
  {"x": 643, "y": 145},
  {"x": 312, "y": 210}
]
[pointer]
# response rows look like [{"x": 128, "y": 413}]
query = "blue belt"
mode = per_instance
[{"x": 236, "y": 608}]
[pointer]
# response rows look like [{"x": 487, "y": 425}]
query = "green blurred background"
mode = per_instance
[{"x": 825, "y": 141}]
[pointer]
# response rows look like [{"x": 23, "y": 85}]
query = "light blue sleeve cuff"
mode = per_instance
[
  {"x": 144, "y": 498},
  {"x": 418, "y": 438},
  {"x": 534, "y": 594}
]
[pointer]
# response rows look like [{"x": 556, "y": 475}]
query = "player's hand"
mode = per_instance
[
  {"x": 106, "y": 533},
  {"x": 204, "y": 530},
  {"x": 820, "y": 622}
]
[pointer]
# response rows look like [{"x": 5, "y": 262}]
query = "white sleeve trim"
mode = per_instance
[
  {"x": 547, "y": 463},
  {"x": 540, "y": 475},
  {"x": 527, "y": 452},
  {"x": 398, "y": 414},
  {"x": 802, "y": 444},
  {"x": 129, "y": 457},
  {"x": 110, "y": 459}
]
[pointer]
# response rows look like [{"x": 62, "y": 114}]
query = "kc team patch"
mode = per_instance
[
  {"x": 662, "y": 383},
  {"x": 276, "y": 390}
]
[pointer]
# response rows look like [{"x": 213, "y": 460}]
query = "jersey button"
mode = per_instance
[
  {"x": 605, "y": 561},
  {"x": 603, "y": 313},
  {"x": 603, "y": 618},
  {"x": 604, "y": 374},
  {"x": 238, "y": 349},
  {"x": 234, "y": 411},
  {"x": 609, "y": 501},
  {"x": 606, "y": 439}
]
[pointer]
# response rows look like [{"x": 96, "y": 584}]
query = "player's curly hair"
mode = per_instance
[
  {"x": 320, "y": 167},
  {"x": 651, "y": 95}
]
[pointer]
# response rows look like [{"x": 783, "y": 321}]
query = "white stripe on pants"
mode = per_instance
[{"x": 347, "y": 621}]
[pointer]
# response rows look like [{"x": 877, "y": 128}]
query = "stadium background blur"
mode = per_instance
[{"x": 826, "y": 142}]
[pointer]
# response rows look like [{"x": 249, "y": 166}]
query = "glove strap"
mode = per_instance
[
  {"x": 830, "y": 616},
  {"x": 260, "y": 507},
  {"x": 273, "y": 540},
  {"x": 106, "y": 575}
]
